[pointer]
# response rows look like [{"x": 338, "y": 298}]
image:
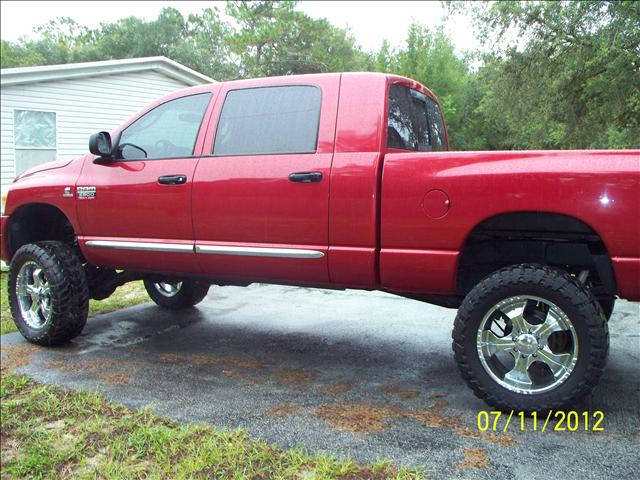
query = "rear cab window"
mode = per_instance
[
  {"x": 414, "y": 121},
  {"x": 269, "y": 120}
]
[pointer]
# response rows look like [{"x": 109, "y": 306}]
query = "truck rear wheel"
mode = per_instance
[
  {"x": 530, "y": 337},
  {"x": 176, "y": 295},
  {"x": 48, "y": 293}
]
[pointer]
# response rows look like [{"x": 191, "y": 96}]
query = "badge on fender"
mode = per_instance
[{"x": 86, "y": 192}]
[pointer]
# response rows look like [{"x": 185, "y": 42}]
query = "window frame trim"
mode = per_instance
[
  {"x": 278, "y": 85},
  {"x": 195, "y": 143}
]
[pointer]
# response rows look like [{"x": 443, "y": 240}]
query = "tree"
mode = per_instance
[
  {"x": 15, "y": 55},
  {"x": 272, "y": 38},
  {"x": 553, "y": 74},
  {"x": 429, "y": 57},
  {"x": 61, "y": 40},
  {"x": 205, "y": 47},
  {"x": 266, "y": 38},
  {"x": 574, "y": 82},
  {"x": 133, "y": 37}
]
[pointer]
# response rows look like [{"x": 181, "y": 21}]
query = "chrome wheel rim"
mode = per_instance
[
  {"x": 34, "y": 295},
  {"x": 167, "y": 289},
  {"x": 527, "y": 344}
]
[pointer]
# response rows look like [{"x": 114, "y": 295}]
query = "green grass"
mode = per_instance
[
  {"x": 127, "y": 295},
  {"x": 6, "y": 321},
  {"x": 50, "y": 432}
]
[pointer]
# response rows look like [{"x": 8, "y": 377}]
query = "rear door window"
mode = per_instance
[
  {"x": 414, "y": 121},
  {"x": 269, "y": 120}
]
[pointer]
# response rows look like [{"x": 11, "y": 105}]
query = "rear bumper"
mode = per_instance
[{"x": 4, "y": 240}]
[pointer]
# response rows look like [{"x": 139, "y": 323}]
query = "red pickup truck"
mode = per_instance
[{"x": 339, "y": 181}]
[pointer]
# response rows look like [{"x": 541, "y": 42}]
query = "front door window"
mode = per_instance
[{"x": 168, "y": 131}]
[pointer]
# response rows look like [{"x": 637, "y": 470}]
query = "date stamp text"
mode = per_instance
[{"x": 558, "y": 421}]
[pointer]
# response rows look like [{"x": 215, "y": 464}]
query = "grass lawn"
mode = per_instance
[
  {"x": 127, "y": 295},
  {"x": 50, "y": 432}
]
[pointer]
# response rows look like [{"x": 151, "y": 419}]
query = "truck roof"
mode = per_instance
[{"x": 364, "y": 77}]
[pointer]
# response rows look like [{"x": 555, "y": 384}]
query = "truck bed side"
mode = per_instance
[{"x": 420, "y": 248}]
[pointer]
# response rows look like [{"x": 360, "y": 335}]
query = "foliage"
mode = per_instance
[
  {"x": 49, "y": 432},
  {"x": 273, "y": 38},
  {"x": 551, "y": 74},
  {"x": 16, "y": 55},
  {"x": 574, "y": 80},
  {"x": 429, "y": 57},
  {"x": 268, "y": 38},
  {"x": 6, "y": 320}
]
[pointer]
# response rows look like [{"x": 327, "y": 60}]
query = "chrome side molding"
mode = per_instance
[
  {"x": 143, "y": 246},
  {"x": 206, "y": 249},
  {"x": 259, "y": 251}
]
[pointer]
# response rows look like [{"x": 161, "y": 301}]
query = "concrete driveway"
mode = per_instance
[{"x": 364, "y": 375}]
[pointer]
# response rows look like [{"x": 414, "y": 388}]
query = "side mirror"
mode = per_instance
[{"x": 100, "y": 144}]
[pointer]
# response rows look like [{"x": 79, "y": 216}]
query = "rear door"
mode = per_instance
[
  {"x": 135, "y": 212},
  {"x": 261, "y": 195}
]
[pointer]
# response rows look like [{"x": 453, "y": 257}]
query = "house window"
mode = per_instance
[{"x": 34, "y": 138}]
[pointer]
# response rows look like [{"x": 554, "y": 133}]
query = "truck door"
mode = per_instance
[
  {"x": 135, "y": 211},
  {"x": 261, "y": 195}
]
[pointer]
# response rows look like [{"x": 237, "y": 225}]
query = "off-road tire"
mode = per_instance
[
  {"x": 69, "y": 292},
  {"x": 568, "y": 294},
  {"x": 190, "y": 293},
  {"x": 607, "y": 304}
]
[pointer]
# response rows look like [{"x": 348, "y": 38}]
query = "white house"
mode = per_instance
[{"x": 49, "y": 112}]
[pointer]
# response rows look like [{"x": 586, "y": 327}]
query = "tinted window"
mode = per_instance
[
  {"x": 436, "y": 125},
  {"x": 267, "y": 120},
  {"x": 415, "y": 122},
  {"x": 169, "y": 130}
]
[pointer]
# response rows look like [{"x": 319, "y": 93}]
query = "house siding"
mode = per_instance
[{"x": 83, "y": 106}]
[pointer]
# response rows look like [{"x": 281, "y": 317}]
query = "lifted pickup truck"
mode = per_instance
[{"x": 339, "y": 181}]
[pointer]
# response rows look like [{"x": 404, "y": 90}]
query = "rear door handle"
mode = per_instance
[
  {"x": 172, "y": 179},
  {"x": 306, "y": 177}
]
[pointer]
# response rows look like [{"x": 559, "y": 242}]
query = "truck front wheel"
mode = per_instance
[
  {"x": 530, "y": 337},
  {"x": 607, "y": 304},
  {"x": 176, "y": 295},
  {"x": 48, "y": 293}
]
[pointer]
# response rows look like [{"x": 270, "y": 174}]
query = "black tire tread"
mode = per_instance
[
  {"x": 69, "y": 289},
  {"x": 608, "y": 304},
  {"x": 191, "y": 293},
  {"x": 549, "y": 278}
]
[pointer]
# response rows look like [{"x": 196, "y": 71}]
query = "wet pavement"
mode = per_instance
[{"x": 364, "y": 375}]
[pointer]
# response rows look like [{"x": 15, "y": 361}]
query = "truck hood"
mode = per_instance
[{"x": 43, "y": 167}]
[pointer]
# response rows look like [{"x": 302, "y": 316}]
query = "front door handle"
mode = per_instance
[
  {"x": 306, "y": 177},
  {"x": 172, "y": 179}
]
